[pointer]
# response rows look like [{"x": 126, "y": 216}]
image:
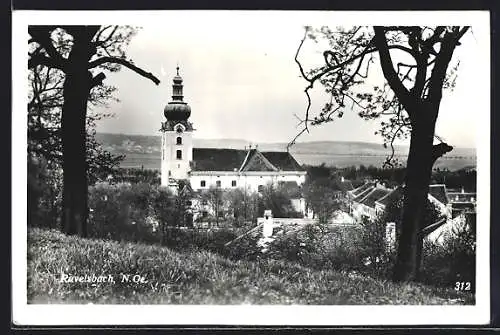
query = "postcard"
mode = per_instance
[{"x": 251, "y": 168}]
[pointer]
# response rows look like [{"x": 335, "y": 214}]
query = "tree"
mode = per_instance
[
  {"x": 277, "y": 199},
  {"x": 394, "y": 213},
  {"x": 182, "y": 215},
  {"x": 322, "y": 195},
  {"x": 45, "y": 102},
  {"x": 237, "y": 201},
  {"x": 213, "y": 197},
  {"x": 164, "y": 208},
  {"x": 415, "y": 63},
  {"x": 82, "y": 54}
]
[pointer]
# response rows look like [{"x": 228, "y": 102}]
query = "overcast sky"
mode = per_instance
[{"x": 241, "y": 81}]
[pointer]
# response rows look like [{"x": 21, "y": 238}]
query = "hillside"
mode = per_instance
[
  {"x": 144, "y": 150},
  {"x": 198, "y": 277}
]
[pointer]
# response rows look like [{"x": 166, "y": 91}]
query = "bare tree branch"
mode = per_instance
[
  {"x": 127, "y": 64},
  {"x": 388, "y": 70}
]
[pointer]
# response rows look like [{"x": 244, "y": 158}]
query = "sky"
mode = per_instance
[{"x": 241, "y": 81}]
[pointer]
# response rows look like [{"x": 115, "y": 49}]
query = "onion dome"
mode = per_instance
[{"x": 177, "y": 109}]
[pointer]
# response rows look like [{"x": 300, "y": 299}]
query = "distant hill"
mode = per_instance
[{"x": 146, "y": 149}]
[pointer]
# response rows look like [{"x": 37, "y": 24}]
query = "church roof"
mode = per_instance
[
  {"x": 255, "y": 161},
  {"x": 283, "y": 160},
  {"x": 170, "y": 125},
  {"x": 211, "y": 159}
]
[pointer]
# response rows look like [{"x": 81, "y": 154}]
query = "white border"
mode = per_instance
[{"x": 24, "y": 314}]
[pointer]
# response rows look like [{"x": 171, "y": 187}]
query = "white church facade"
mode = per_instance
[{"x": 247, "y": 168}]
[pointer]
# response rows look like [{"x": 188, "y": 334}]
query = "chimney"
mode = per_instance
[{"x": 267, "y": 230}]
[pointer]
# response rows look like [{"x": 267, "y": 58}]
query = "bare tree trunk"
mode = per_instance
[
  {"x": 77, "y": 85},
  {"x": 418, "y": 176}
]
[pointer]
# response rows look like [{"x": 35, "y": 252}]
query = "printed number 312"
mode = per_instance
[{"x": 462, "y": 286}]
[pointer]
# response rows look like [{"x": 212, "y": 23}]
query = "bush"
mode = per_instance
[
  {"x": 44, "y": 192},
  {"x": 245, "y": 248},
  {"x": 199, "y": 277},
  {"x": 453, "y": 260},
  {"x": 198, "y": 239},
  {"x": 319, "y": 247},
  {"x": 123, "y": 212},
  {"x": 376, "y": 257}
]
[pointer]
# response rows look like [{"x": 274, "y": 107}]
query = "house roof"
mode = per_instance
[
  {"x": 363, "y": 194},
  {"x": 374, "y": 195},
  {"x": 283, "y": 161},
  {"x": 346, "y": 185},
  {"x": 391, "y": 197},
  {"x": 438, "y": 191},
  {"x": 462, "y": 206},
  {"x": 211, "y": 159},
  {"x": 461, "y": 197},
  {"x": 363, "y": 188}
]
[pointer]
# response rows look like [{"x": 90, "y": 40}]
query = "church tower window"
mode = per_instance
[
  {"x": 179, "y": 140},
  {"x": 179, "y": 154}
]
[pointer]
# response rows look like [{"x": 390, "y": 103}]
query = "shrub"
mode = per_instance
[
  {"x": 245, "y": 248},
  {"x": 147, "y": 213},
  {"x": 376, "y": 257},
  {"x": 126, "y": 212},
  {"x": 44, "y": 192},
  {"x": 454, "y": 259},
  {"x": 319, "y": 246}
]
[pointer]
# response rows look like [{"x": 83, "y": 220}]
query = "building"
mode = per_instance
[
  {"x": 364, "y": 200},
  {"x": 247, "y": 168},
  {"x": 372, "y": 198}
]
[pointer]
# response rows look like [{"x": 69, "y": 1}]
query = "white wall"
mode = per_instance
[
  {"x": 299, "y": 205},
  {"x": 178, "y": 168},
  {"x": 250, "y": 181}
]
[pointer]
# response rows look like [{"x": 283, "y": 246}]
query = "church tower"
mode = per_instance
[{"x": 176, "y": 137}]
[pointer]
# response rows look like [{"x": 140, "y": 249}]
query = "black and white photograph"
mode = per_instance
[{"x": 251, "y": 167}]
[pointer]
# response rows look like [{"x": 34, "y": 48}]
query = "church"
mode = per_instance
[{"x": 246, "y": 168}]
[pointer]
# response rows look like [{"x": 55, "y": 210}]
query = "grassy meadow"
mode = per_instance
[{"x": 200, "y": 277}]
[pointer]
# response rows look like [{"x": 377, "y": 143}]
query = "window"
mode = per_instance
[
  {"x": 169, "y": 173},
  {"x": 179, "y": 140},
  {"x": 260, "y": 188},
  {"x": 179, "y": 129},
  {"x": 179, "y": 154},
  {"x": 217, "y": 183},
  {"x": 233, "y": 183},
  {"x": 203, "y": 183},
  {"x": 204, "y": 214}
]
